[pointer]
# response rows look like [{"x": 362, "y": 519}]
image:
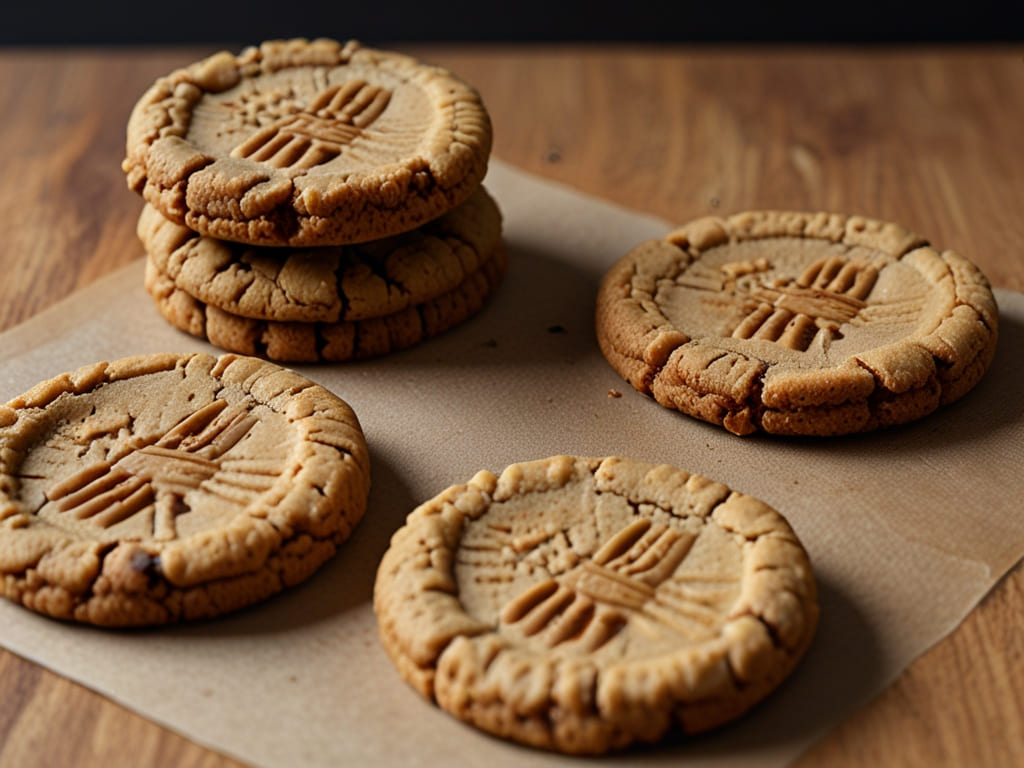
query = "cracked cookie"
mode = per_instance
[
  {"x": 168, "y": 487},
  {"x": 326, "y": 284},
  {"x": 797, "y": 323},
  {"x": 305, "y": 143},
  {"x": 581, "y": 605},
  {"x": 314, "y": 342}
]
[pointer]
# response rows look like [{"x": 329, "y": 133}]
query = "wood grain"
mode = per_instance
[{"x": 929, "y": 138}]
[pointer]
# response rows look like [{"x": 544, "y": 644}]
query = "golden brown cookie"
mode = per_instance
[
  {"x": 298, "y": 342},
  {"x": 329, "y": 284},
  {"x": 307, "y": 143},
  {"x": 581, "y": 604},
  {"x": 171, "y": 487},
  {"x": 797, "y": 323}
]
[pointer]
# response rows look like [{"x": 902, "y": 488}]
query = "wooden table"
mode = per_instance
[{"x": 931, "y": 138}]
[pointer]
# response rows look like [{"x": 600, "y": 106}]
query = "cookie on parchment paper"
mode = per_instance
[
  {"x": 797, "y": 323},
  {"x": 581, "y": 605},
  {"x": 307, "y": 143},
  {"x": 169, "y": 487},
  {"x": 327, "y": 284},
  {"x": 299, "y": 342}
]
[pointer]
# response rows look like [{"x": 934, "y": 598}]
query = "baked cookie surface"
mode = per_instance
[
  {"x": 797, "y": 323},
  {"x": 581, "y": 605},
  {"x": 173, "y": 487},
  {"x": 315, "y": 342},
  {"x": 327, "y": 284},
  {"x": 307, "y": 143}
]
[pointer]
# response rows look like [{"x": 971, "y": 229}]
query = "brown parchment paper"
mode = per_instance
[{"x": 907, "y": 529}]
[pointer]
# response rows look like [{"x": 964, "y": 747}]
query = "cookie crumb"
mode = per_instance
[{"x": 614, "y": 393}]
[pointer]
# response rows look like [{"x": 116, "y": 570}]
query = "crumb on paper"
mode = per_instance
[{"x": 614, "y": 393}]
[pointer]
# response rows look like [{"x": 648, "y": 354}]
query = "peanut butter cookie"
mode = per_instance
[
  {"x": 170, "y": 487},
  {"x": 797, "y": 323},
  {"x": 306, "y": 143},
  {"x": 315, "y": 342},
  {"x": 581, "y": 605},
  {"x": 328, "y": 284}
]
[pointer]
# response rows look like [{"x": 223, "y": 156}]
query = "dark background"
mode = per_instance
[{"x": 222, "y": 22}]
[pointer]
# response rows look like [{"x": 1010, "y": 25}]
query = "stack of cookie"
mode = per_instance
[{"x": 314, "y": 201}]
